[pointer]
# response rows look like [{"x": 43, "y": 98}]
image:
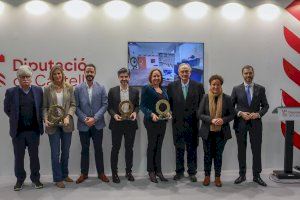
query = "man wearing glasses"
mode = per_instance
[{"x": 23, "y": 106}]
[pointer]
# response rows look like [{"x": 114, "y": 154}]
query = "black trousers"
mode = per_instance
[
  {"x": 31, "y": 140},
  {"x": 213, "y": 148},
  {"x": 184, "y": 141},
  {"x": 255, "y": 134},
  {"x": 116, "y": 138},
  {"x": 97, "y": 136},
  {"x": 156, "y": 133}
]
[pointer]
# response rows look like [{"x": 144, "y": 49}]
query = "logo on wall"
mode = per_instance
[
  {"x": 2, "y": 58},
  {"x": 73, "y": 69},
  {"x": 2, "y": 76},
  {"x": 290, "y": 70}
]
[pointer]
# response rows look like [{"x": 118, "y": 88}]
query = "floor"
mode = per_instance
[{"x": 143, "y": 189}]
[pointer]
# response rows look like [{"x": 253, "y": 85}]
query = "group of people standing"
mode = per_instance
[{"x": 27, "y": 107}]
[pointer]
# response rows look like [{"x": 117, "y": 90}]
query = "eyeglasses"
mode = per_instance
[
  {"x": 184, "y": 71},
  {"x": 25, "y": 77}
]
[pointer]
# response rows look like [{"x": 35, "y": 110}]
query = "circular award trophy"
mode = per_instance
[
  {"x": 125, "y": 109},
  {"x": 162, "y": 108},
  {"x": 56, "y": 114}
]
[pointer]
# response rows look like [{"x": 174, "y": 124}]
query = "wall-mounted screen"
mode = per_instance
[{"x": 167, "y": 56}]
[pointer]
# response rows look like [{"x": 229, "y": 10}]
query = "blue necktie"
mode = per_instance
[
  {"x": 185, "y": 91},
  {"x": 248, "y": 94}
]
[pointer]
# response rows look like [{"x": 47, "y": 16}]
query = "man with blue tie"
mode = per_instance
[
  {"x": 91, "y": 104},
  {"x": 184, "y": 97},
  {"x": 23, "y": 106},
  {"x": 250, "y": 102}
]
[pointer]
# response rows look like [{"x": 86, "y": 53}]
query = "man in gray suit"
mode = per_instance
[
  {"x": 91, "y": 104},
  {"x": 250, "y": 102}
]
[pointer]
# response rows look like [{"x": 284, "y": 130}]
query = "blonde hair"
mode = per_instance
[{"x": 63, "y": 83}]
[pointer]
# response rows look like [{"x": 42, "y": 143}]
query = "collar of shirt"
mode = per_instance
[
  {"x": 251, "y": 84},
  {"x": 88, "y": 85},
  {"x": 25, "y": 91},
  {"x": 122, "y": 90},
  {"x": 186, "y": 84}
]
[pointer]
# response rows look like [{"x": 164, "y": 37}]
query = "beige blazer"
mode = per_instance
[{"x": 69, "y": 105}]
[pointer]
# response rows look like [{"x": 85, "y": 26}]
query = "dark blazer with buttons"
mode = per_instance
[
  {"x": 227, "y": 116},
  {"x": 258, "y": 104},
  {"x": 11, "y": 108},
  {"x": 114, "y": 100},
  {"x": 184, "y": 111}
]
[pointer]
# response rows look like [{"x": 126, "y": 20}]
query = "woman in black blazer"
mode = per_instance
[
  {"x": 151, "y": 94},
  {"x": 215, "y": 111}
]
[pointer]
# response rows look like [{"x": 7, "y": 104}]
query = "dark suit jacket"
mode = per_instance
[
  {"x": 227, "y": 116},
  {"x": 11, "y": 108},
  {"x": 148, "y": 101},
  {"x": 259, "y": 104},
  {"x": 114, "y": 100},
  {"x": 184, "y": 112}
]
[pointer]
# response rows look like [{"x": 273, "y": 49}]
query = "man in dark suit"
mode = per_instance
[
  {"x": 184, "y": 97},
  {"x": 23, "y": 105},
  {"x": 119, "y": 126},
  {"x": 250, "y": 102}
]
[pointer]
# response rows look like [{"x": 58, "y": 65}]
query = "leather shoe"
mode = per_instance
[
  {"x": 129, "y": 176},
  {"x": 68, "y": 179},
  {"x": 60, "y": 184},
  {"x": 258, "y": 180},
  {"x": 240, "y": 179},
  {"x": 103, "y": 178},
  {"x": 193, "y": 178},
  {"x": 161, "y": 177},
  {"x": 218, "y": 182},
  {"x": 115, "y": 178},
  {"x": 81, "y": 178},
  {"x": 152, "y": 177},
  {"x": 206, "y": 181},
  {"x": 177, "y": 177}
]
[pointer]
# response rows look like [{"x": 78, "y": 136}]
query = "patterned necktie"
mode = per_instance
[
  {"x": 248, "y": 94},
  {"x": 185, "y": 90}
]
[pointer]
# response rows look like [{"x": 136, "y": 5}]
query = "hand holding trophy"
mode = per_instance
[
  {"x": 56, "y": 116},
  {"x": 126, "y": 109},
  {"x": 162, "y": 108}
]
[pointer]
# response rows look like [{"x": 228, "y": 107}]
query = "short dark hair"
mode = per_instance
[
  {"x": 247, "y": 67},
  {"x": 123, "y": 70},
  {"x": 216, "y": 77},
  {"x": 150, "y": 76},
  {"x": 90, "y": 65}
]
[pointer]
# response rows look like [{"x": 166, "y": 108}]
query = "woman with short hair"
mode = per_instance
[{"x": 215, "y": 111}]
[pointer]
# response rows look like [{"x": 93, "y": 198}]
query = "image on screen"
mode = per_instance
[{"x": 167, "y": 56}]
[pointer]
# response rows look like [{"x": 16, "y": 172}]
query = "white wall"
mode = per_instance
[{"x": 103, "y": 41}]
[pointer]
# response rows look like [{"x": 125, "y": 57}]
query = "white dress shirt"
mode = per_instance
[
  {"x": 90, "y": 92},
  {"x": 124, "y": 96}
]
